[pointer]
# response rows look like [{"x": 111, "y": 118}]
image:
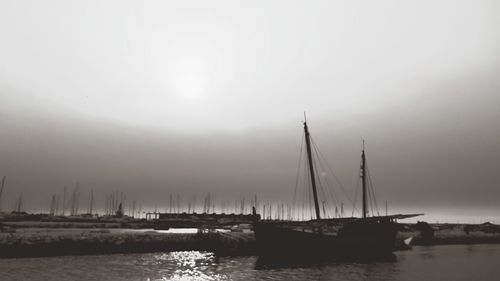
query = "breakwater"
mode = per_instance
[
  {"x": 449, "y": 233},
  {"x": 91, "y": 242},
  {"x": 16, "y": 242}
]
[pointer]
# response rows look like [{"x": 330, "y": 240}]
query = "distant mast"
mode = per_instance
[
  {"x": 311, "y": 169},
  {"x": 1, "y": 191},
  {"x": 363, "y": 179}
]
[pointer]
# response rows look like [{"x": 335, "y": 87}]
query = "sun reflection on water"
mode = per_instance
[{"x": 189, "y": 266}]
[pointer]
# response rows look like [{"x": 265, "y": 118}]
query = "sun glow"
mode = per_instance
[{"x": 189, "y": 79}]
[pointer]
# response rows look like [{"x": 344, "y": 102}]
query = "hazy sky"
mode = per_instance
[{"x": 159, "y": 97}]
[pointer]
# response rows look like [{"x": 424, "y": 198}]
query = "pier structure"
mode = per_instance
[{"x": 202, "y": 220}]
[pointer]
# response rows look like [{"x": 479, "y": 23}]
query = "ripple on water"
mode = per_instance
[
  {"x": 189, "y": 265},
  {"x": 457, "y": 262}
]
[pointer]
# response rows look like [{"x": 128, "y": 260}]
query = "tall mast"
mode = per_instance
[
  {"x": 311, "y": 170},
  {"x": 363, "y": 179},
  {"x": 1, "y": 191},
  {"x": 91, "y": 201},
  {"x": 64, "y": 201}
]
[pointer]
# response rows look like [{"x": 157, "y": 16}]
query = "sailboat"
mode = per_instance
[{"x": 337, "y": 238}]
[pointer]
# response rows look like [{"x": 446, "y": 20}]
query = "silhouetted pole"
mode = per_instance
[
  {"x": 133, "y": 209},
  {"x": 311, "y": 171},
  {"x": 64, "y": 201},
  {"x": 1, "y": 192},
  {"x": 363, "y": 180}
]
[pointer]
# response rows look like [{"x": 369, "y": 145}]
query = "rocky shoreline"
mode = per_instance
[
  {"x": 38, "y": 242},
  {"x": 448, "y": 233},
  {"x": 85, "y": 242}
]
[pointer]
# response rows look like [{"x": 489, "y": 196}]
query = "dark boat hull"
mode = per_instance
[{"x": 354, "y": 241}]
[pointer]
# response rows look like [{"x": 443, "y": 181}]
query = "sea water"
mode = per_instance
[{"x": 448, "y": 262}]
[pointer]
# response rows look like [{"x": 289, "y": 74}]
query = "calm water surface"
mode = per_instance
[{"x": 456, "y": 262}]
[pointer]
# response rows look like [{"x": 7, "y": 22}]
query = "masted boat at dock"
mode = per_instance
[{"x": 329, "y": 238}]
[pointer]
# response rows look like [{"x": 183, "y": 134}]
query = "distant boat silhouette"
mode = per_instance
[{"x": 338, "y": 238}]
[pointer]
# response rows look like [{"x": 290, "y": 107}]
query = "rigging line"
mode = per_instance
[
  {"x": 368, "y": 185},
  {"x": 370, "y": 199},
  {"x": 369, "y": 193},
  {"x": 375, "y": 201},
  {"x": 328, "y": 184},
  {"x": 308, "y": 191},
  {"x": 311, "y": 175},
  {"x": 324, "y": 203},
  {"x": 312, "y": 212},
  {"x": 298, "y": 170},
  {"x": 334, "y": 195},
  {"x": 372, "y": 189},
  {"x": 334, "y": 203},
  {"x": 334, "y": 175},
  {"x": 357, "y": 188},
  {"x": 301, "y": 214},
  {"x": 330, "y": 169},
  {"x": 331, "y": 190},
  {"x": 371, "y": 196},
  {"x": 319, "y": 181},
  {"x": 320, "y": 185},
  {"x": 305, "y": 190},
  {"x": 355, "y": 198}
]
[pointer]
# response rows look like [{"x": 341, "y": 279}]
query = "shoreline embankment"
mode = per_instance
[
  {"x": 449, "y": 233},
  {"x": 22, "y": 242},
  {"x": 101, "y": 241}
]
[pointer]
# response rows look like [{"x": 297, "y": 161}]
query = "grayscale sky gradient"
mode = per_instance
[{"x": 154, "y": 98}]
